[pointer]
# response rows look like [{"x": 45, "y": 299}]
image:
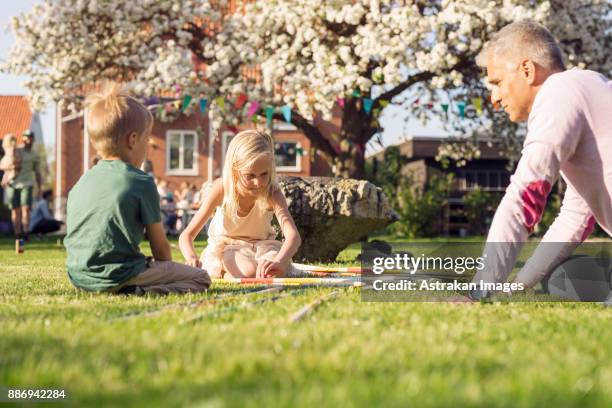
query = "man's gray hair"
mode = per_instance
[{"x": 524, "y": 39}]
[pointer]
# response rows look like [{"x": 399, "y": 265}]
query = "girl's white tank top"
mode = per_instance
[{"x": 256, "y": 225}]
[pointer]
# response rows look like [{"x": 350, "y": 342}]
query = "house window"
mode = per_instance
[
  {"x": 287, "y": 156},
  {"x": 226, "y": 138},
  {"x": 182, "y": 153}
]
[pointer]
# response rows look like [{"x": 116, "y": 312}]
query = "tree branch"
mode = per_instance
[
  {"x": 420, "y": 77},
  {"x": 318, "y": 140}
]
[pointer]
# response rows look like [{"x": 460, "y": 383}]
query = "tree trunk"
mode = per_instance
[
  {"x": 355, "y": 134},
  {"x": 351, "y": 165}
]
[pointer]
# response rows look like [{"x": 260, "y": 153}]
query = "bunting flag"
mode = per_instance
[
  {"x": 220, "y": 101},
  {"x": 461, "y": 106},
  {"x": 255, "y": 119},
  {"x": 464, "y": 109},
  {"x": 477, "y": 102},
  {"x": 253, "y": 108},
  {"x": 177, "y": 89},
  {"x": 299, "y": 151},
  {"x": 186, "y": 101},
  {"x": 286, "y": 110},
  {"x": 241, "y": 100},
  {"x": 367, "y": 105},
  {"x": 203, "y": 103},
  {"x": 269, "y": 114}
]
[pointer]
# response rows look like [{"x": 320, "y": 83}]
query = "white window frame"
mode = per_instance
[
  {"x": 181, "y": 171},
  {"x": 225, "y": 144},
  {"x": 283, "y": 126},
  {"x": 291, "y": 169}
]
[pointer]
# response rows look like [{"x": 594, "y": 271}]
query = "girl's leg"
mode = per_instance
[
  {"x": 239, "y": 263},
  {"x": 268, "y": 250}
]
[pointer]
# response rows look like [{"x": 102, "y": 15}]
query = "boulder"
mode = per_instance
[{"x": 331, "y": 213}]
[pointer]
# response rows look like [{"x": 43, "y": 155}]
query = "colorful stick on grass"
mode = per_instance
[
  {"x": 327, "y": 269},
  {"x": 303, "y": 312},
  {"x": 319, "y": 281}
]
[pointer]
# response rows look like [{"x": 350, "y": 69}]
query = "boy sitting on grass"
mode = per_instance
[{"x": 112, "y": 204}]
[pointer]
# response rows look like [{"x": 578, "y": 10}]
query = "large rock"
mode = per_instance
[{"x": 332, "y": 213}]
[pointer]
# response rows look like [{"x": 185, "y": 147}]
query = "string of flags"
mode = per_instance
[{"x": 463, "y": 109}]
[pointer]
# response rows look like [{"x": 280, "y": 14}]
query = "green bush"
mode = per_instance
[
  {"x": 421, "y": 211},
  {"x": 479, "y": 207}
]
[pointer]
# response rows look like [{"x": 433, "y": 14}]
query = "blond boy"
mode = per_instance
[{"x": 114, "y": 203}]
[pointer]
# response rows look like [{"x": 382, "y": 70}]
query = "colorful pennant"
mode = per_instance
[
  {"x": 286, "y": 110},
  {"x": 241, "y": 100},
  {"x": 186, "y": 101},
  {"x": 203, "y": 104},
  {"x": 367, "y": 105},
  {"x": 461, "y": 107},
  {"x": 253, "y": 108},
  {"x": 269, "y": 114},
  {"x": 220, "y": 101}
]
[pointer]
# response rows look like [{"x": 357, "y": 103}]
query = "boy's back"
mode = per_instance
[{"x": 107, "y": 212}]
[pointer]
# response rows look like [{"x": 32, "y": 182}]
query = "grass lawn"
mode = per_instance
[{"x": 346, "y": 353}]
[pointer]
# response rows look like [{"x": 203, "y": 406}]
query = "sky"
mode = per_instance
[{"x": 392, "y": 118}]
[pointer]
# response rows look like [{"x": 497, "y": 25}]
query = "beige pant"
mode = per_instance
[{"x": 165, "y": 277}]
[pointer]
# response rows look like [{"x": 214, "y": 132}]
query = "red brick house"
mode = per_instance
[
  {"x": 17, "y": 117},
  {"x": 182, "y": 150}
]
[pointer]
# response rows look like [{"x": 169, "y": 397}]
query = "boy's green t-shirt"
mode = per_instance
[{"x": 107, "y": 211}]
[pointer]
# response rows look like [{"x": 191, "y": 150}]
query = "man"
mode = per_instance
[
  {"x": 569, "y": 116},
  {"x": 19, "y": 192}
]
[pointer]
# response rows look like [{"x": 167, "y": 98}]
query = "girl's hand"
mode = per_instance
[
  {"x": 193, "y": 261},
  {"x": 269, "y": 269}
]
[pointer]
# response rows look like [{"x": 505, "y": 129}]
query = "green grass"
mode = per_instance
[{"x": 346, "y": 353}]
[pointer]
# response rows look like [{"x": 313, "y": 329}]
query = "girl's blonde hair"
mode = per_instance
[
  {"x": 9, "y": 141},
  {"x": 112, "y": 115},
  {"x": 244, "y": 149}
]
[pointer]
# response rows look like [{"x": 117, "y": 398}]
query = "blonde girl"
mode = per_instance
[
  {"x": 240, "y": 237},
  {"x": 11, "y": 160}
]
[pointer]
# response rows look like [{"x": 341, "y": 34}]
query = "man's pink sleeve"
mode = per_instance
[
  {"x": 520, "y": 210},
  {"x": 573, "y": 225}
]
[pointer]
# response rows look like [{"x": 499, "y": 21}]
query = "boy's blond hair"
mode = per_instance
[
  {"x": 9, "y": 141},
  {"x": 113, "y": 114},
  {"x": 244, "y": 149}
]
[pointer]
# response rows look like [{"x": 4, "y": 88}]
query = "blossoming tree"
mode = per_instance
[{"x": 305, "y": 55}]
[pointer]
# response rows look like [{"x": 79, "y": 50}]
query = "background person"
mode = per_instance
[
  {"x": 20, "y": 191},
  {"x": 41, "y": 221},
  {"x": 11, "y": 160}
]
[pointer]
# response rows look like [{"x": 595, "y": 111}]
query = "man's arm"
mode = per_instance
[
  {"x": 573, "y": 225},
  {"x": 160, "y": 247},
  {"x": 520, "y": 210},
  {"x": 38, "y": 177}
]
